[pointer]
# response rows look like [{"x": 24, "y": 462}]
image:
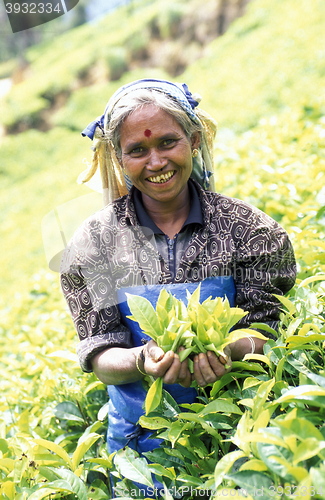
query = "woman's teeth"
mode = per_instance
[{"x": 158, "y": 179}]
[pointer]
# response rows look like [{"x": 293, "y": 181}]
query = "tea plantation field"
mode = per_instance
[{"x": 260, "y": 432}]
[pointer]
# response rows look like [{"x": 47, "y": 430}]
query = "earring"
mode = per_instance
[{"x": 195, "y": 152}]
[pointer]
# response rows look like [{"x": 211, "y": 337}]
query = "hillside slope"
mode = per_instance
[
  {"x": 271, "y": 59},
  {"x": 144, "y": 34}
]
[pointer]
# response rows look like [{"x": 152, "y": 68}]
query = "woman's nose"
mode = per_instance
[{"x": 156, "y": 160}]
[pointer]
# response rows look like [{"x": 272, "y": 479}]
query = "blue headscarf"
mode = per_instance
[{"x": 179, "y": 92}]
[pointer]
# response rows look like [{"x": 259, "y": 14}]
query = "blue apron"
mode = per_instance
[{"x": 126, "y": 401}]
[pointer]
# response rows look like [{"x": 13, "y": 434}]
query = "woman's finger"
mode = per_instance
[
  {"x": 219, "y": 364},
  {"x": 171, "y": 375},
  {"x": 202, "y": 370},
  {"x": 157, "y": 365},
  {"x": 208, "y": 368},
  {"x": 153, "y": 352},
  {"x": 184, "y": 377}
]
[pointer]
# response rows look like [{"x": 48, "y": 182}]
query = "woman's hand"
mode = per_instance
[
  {"x": 166, "y": 365},
  {"x": 209, "y": 367}
]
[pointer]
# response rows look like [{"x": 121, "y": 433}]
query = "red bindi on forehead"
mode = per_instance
[{"x": 147, "y": 132}]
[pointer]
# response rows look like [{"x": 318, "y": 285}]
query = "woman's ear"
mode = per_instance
[{"x": 196, "y": 140}]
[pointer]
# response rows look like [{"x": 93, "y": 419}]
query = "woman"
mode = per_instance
[{"x": 163, "y": 226}]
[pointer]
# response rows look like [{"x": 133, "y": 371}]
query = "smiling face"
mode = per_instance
[{"x": 156, "y": 154}]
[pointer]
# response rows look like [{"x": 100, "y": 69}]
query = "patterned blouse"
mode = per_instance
[{"x": 111, "y": 251}]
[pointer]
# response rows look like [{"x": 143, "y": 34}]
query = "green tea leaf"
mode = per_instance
[
  {"x": 185, "y": 353},
  {"x": 68, "y": 411},
  {"x": 166, "y": 340},
  {"x": 224, "y": 465},
  {"x": 161, "y": 471},
  {"x": 182, "y": 329},
  {"x": 308, "y": 449},
  {"x": 317, "y": 379},
  {"x": 261, "y": 396},
  {"x": 312, "y": 279},
  {"x": 56, "y": 449},
  {"x": 7, "y": 464},
  {"x": 69, "y": 483},
  {"x": 175, "y": 431},
  {"x": 243, "y": 333},
  {"x": 263, "y": 326},
  {"x": 318, "y": 478},
  {"x": 45, "y": 492},
  {"x": 193, "y": 299},
  {"x": 190, "y": 481},
  {"x": 83, "y": 446},
  {"x": 131, "y": 466},
  {"x": 278, "y": 458},
  {"x": 154, "y": 395},
  {"x": 163, "y": 306},
  {"x": 215, "y": 337},
  {"x": 256, "y": 484},
  {"x": 258, "y": 357},
  {"x": 77, "y": 486},
  {"x": 235, "y": 314},
  {"x": 224, "y": 381},
  {"x": 4, "y": 445},
  {"x": 8, "y": 490},
  {"x": 297, "y": 340},
  {"x": 245, "y": 365},
  {"x": 219, "y": 405},
  {"x": 291, "y": 308},
  {"x": 154, "y": 423},
  {"x": 304, "y": 390},
  {"x": 144, "y": 313},
  {"x": 254, "y": 464}
]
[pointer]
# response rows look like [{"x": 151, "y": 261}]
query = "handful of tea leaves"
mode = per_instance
[{"x": 198, "y": 327}]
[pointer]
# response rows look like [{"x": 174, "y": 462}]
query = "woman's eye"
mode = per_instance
[
  {"x": 168, "y": 142},
  {"x": 137, "y": 151}
]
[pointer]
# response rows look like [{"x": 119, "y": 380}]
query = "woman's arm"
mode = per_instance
[
  {"x": 245, "y": 346},
  {"x": 117, "y": 365}
]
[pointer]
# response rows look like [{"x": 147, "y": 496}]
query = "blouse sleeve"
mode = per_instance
[
  {"x": 98, "y": 329},
  {"x": 88, "y": 288},
  {"x": 265, "y": 265}
]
